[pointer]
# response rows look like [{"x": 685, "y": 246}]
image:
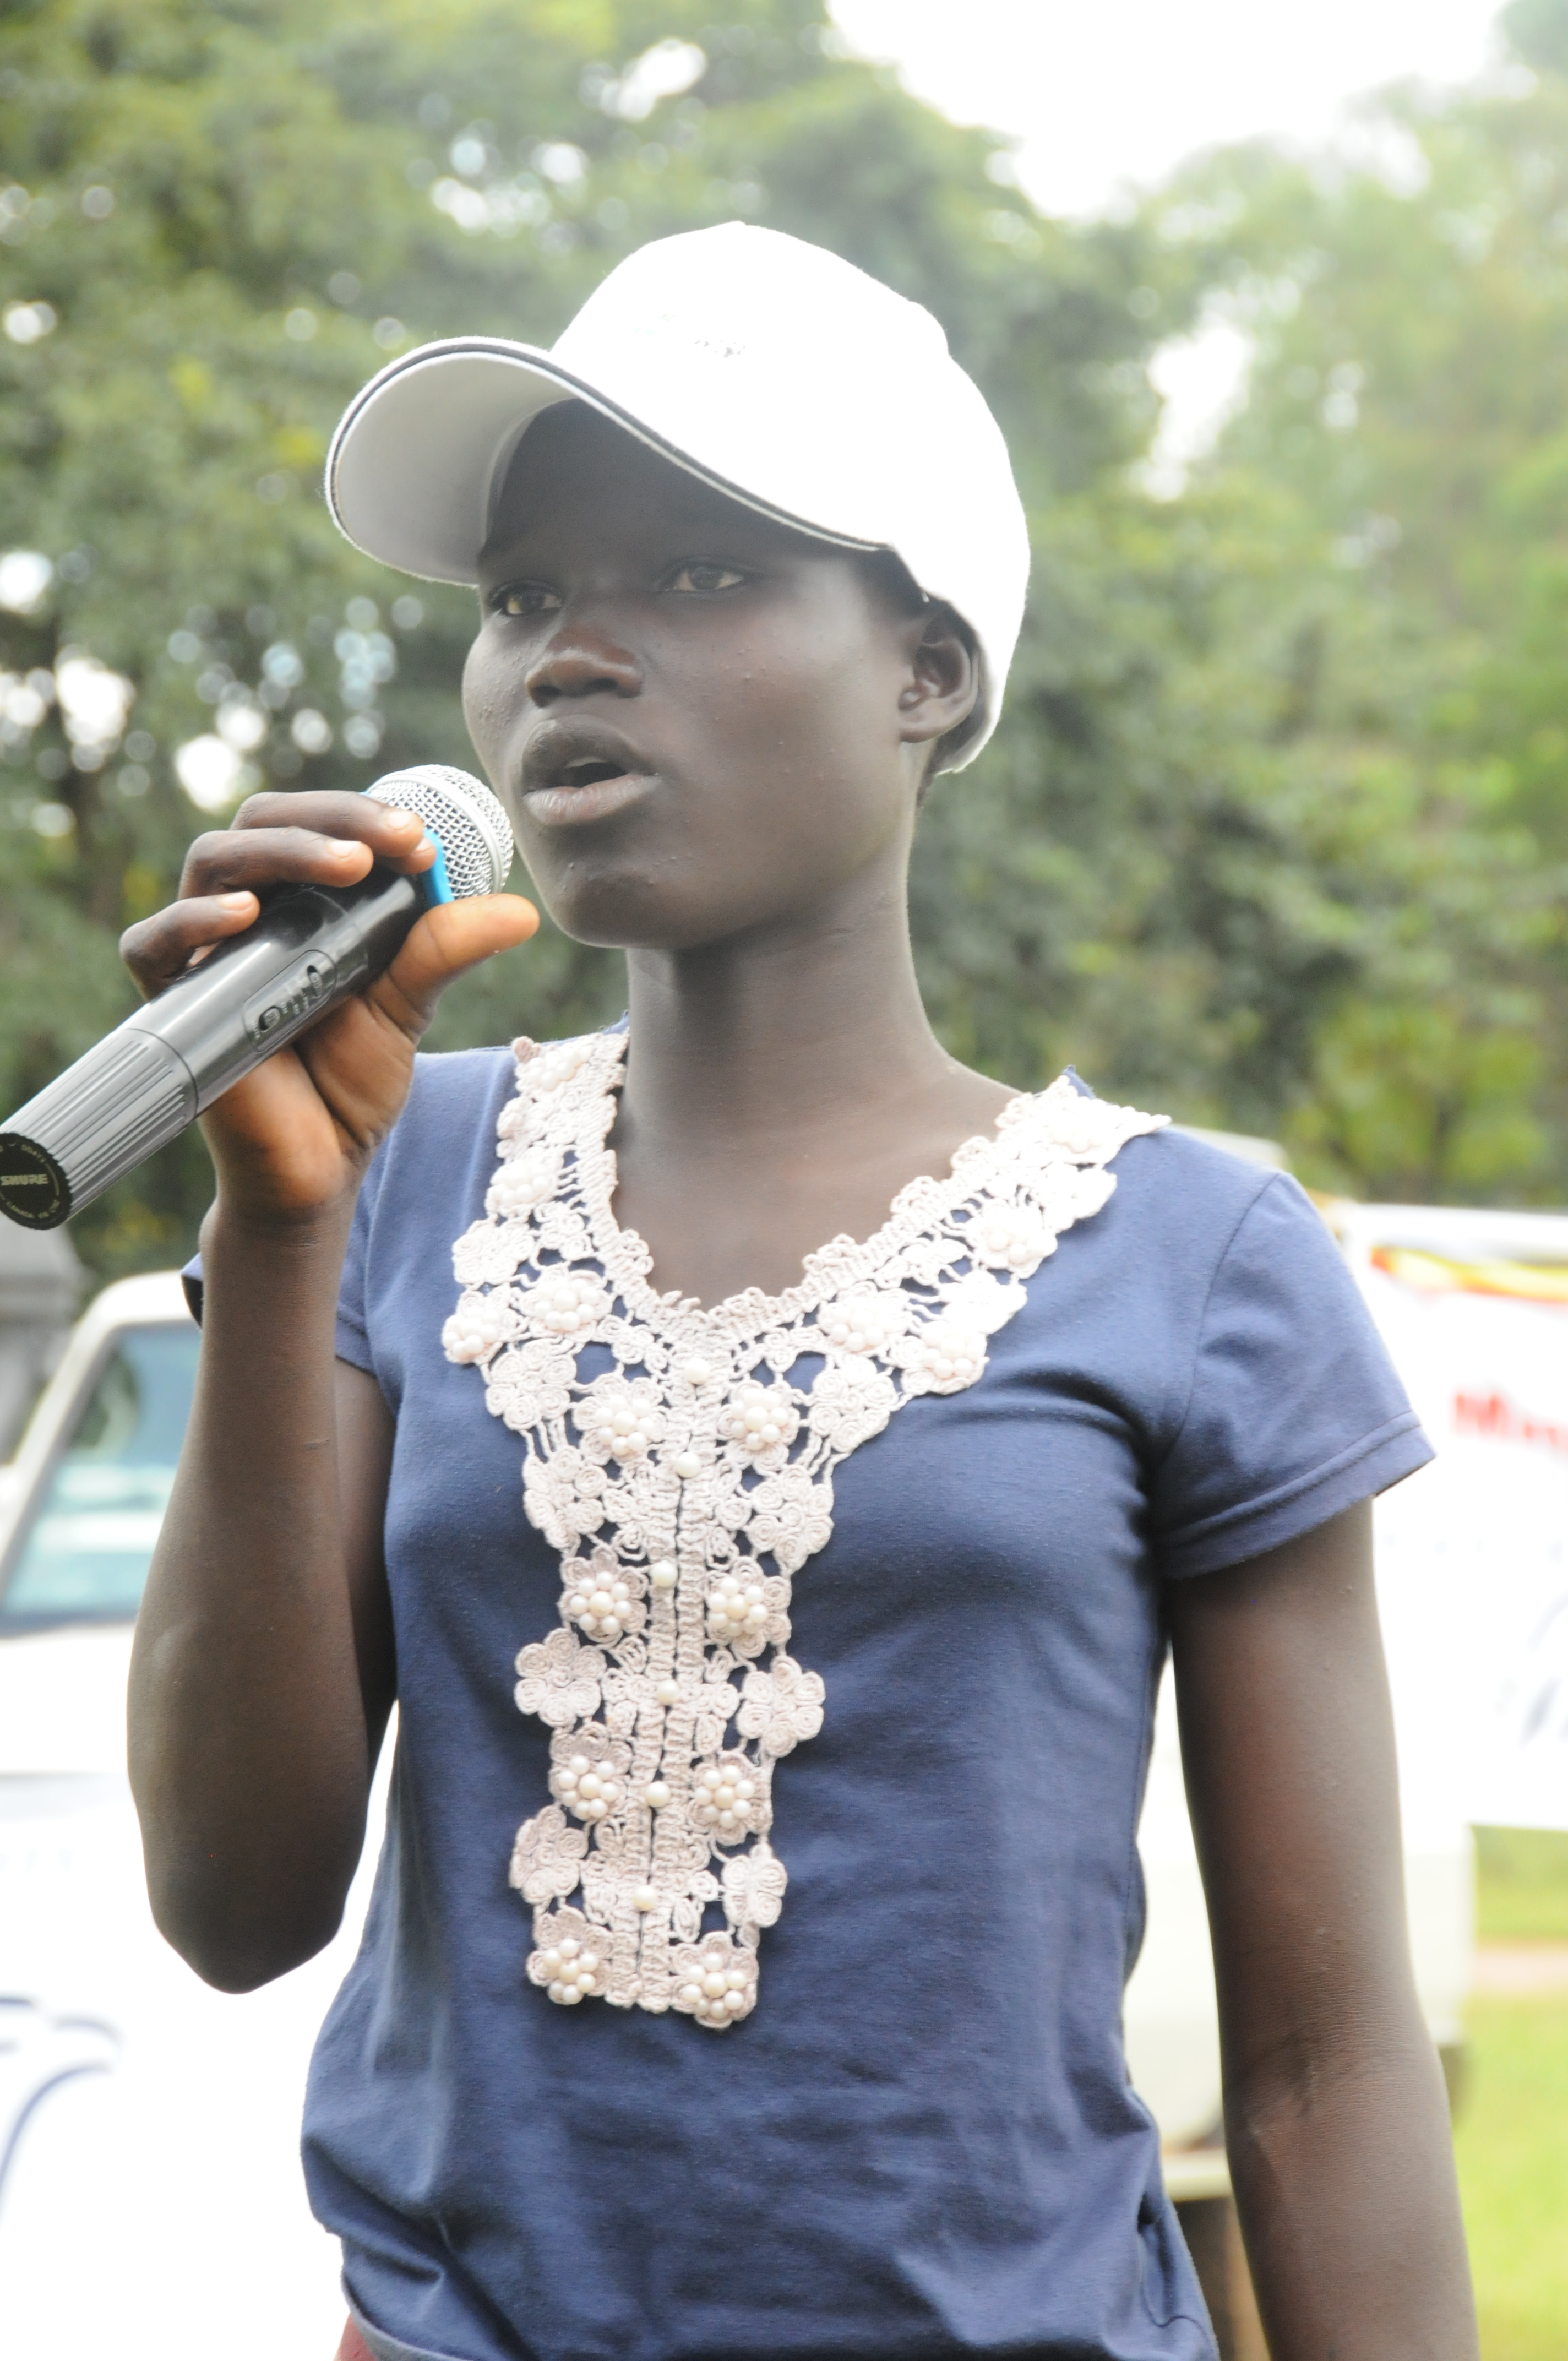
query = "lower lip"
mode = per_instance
[{"x": 581, "y": 806}]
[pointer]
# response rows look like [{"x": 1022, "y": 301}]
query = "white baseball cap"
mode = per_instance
[{"x": 772, "y": 369}]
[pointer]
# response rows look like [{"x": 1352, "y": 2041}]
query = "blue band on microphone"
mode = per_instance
[{"x": 436, "y": 883}]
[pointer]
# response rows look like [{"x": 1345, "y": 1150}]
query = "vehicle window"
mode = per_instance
[{"x": 83, "y": 1555}]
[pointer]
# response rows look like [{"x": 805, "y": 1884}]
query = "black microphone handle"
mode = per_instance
[{"x": 312, "y": 947}]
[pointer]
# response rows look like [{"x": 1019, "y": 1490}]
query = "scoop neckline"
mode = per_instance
[{"x": 826, "y": 1270}]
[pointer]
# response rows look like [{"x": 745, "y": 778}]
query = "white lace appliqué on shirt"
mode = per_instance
[{"x": 681, "y": 1460}]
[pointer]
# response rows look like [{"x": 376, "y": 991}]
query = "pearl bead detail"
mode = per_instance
[
  {"x": 572, "y": 1972},
  {"x": 760, "y": 1420},
  {"x": 1013, "y": 1235},
  {"x": 479, "y": 1323},
  {"x": 712, "y": 1412},
  {"x": 718, "y": 1985},
  {"x": 862, "y": 1323},
  {"x": 523, "y": 1181},
  {"x": 591, "y": 1793},
  {"x": 737, "y": 1608},
  {"x": 951, "y": 1356},
  {"x": 552, "y": 1069},
  {"x": 724, "y": 1799},
  {"x": 601, "y": 1604},
  {"x": 621, "y": 1435},
  {"x": 643, "y": 1898},
  {"x": 566, "y": 1307}
]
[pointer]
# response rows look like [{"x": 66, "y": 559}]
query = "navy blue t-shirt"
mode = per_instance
[{"x": 923, "y": 2141}]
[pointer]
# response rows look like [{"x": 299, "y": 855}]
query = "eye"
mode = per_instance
[
  {"x": 524, "y": 598},
  {"x": 704, "y": 575}
]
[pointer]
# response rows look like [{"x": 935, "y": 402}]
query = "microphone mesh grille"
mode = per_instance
[{"x": 475, "y": 835}]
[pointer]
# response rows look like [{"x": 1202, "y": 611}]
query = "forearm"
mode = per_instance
[
  {"x": 1349, "y": 2209},
  {"x": 263, "y": 1669},
  {"x": 249, "y": 1751},
  {"x": 1336, "y": 2121}
]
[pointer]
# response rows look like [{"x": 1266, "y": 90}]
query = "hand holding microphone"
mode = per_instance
[{"x": 331, "y": 919}]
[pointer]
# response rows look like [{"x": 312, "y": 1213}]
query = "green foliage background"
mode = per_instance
[{"x": 1274, "y": 833}]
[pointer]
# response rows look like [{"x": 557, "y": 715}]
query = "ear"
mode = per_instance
[{"x": 943, "y": 682}]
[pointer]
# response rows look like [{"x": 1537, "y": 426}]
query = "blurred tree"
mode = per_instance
[
  {"x": 1408, "y": 300},
  {"x": 1538, "y": 31},
  {"x": 216, "y": 222},
  {"x": 1216, "y": 864},
  {"x": 1273, "y": 833}
]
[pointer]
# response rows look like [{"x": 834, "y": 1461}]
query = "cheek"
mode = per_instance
[
  {"x": 801, "y": 766},
  {"x": 489, "y": 691},
  {"x": 816, "y": 703}
]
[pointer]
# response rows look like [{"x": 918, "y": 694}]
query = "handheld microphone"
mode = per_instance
[{"x": 312, "y": 947}]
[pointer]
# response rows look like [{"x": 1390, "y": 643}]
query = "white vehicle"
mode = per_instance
[
  {"x": 151, "y": 2200},
  {"x": 165, "y": 2115}
]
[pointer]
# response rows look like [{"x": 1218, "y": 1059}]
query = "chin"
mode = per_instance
[{"x": 629, "y": 911}]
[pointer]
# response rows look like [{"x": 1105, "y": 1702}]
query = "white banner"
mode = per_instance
[{"x": 1473, "y": 1553}]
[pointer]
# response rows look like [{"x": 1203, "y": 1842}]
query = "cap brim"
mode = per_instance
[{"x": 417, "y": 460}]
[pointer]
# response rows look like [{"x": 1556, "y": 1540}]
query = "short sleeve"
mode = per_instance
[
  {"x": 425, "y": 1183},
  {"x": 352, "y": 1336},
  {"x": 1294, "y": 1411},
  {"x": 352, "y": 1320}
]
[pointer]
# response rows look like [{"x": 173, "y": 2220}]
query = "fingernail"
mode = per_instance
[{"x": 235, "y": 901}]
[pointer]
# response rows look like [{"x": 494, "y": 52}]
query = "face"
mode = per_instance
[{"x": 703, "y": 722}]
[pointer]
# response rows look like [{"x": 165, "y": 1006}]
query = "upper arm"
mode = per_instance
[
  {"x": 365, "y": 1432},
  {"x": 1292, "y": 1410},
  {"x": 1288, "y": 1744}
]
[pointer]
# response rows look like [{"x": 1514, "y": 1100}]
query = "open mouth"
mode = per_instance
[
  {"x": 589, "y": 772},
  {"x": 578, "y": 772},
  {"x": 567, "y": 786}
]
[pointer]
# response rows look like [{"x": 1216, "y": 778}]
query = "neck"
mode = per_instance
[{"x": 796, "y": 1029}]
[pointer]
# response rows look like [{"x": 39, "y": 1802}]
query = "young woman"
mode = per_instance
[{"x": 766, "y": 1461}]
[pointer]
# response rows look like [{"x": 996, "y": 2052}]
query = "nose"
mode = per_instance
[{"x": 580, "y": 661}]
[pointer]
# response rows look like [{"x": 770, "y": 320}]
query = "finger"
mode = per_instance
[
  {"x": 418, "y": 849},
  {"x": 225, "y": 859},
  {"x": 358, "y": 1057},
  {"x": 158, "y": 948},
  {"x": 394, "y": 836},
  {"x": 446, "y": 941}
]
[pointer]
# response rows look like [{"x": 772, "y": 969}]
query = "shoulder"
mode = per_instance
[
  {"x": 1180, "y": 1182},
  {"x": 1262, "y": 1291},
  {"x": 443, "y": 1145},
  {"x": 1170, "y": 1228},
  {"x": 1167, "y": 1195},
  {"x": 454, "y": 1081}
]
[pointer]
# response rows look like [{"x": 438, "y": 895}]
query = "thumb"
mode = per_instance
[{"x": 446, "y": 941}]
